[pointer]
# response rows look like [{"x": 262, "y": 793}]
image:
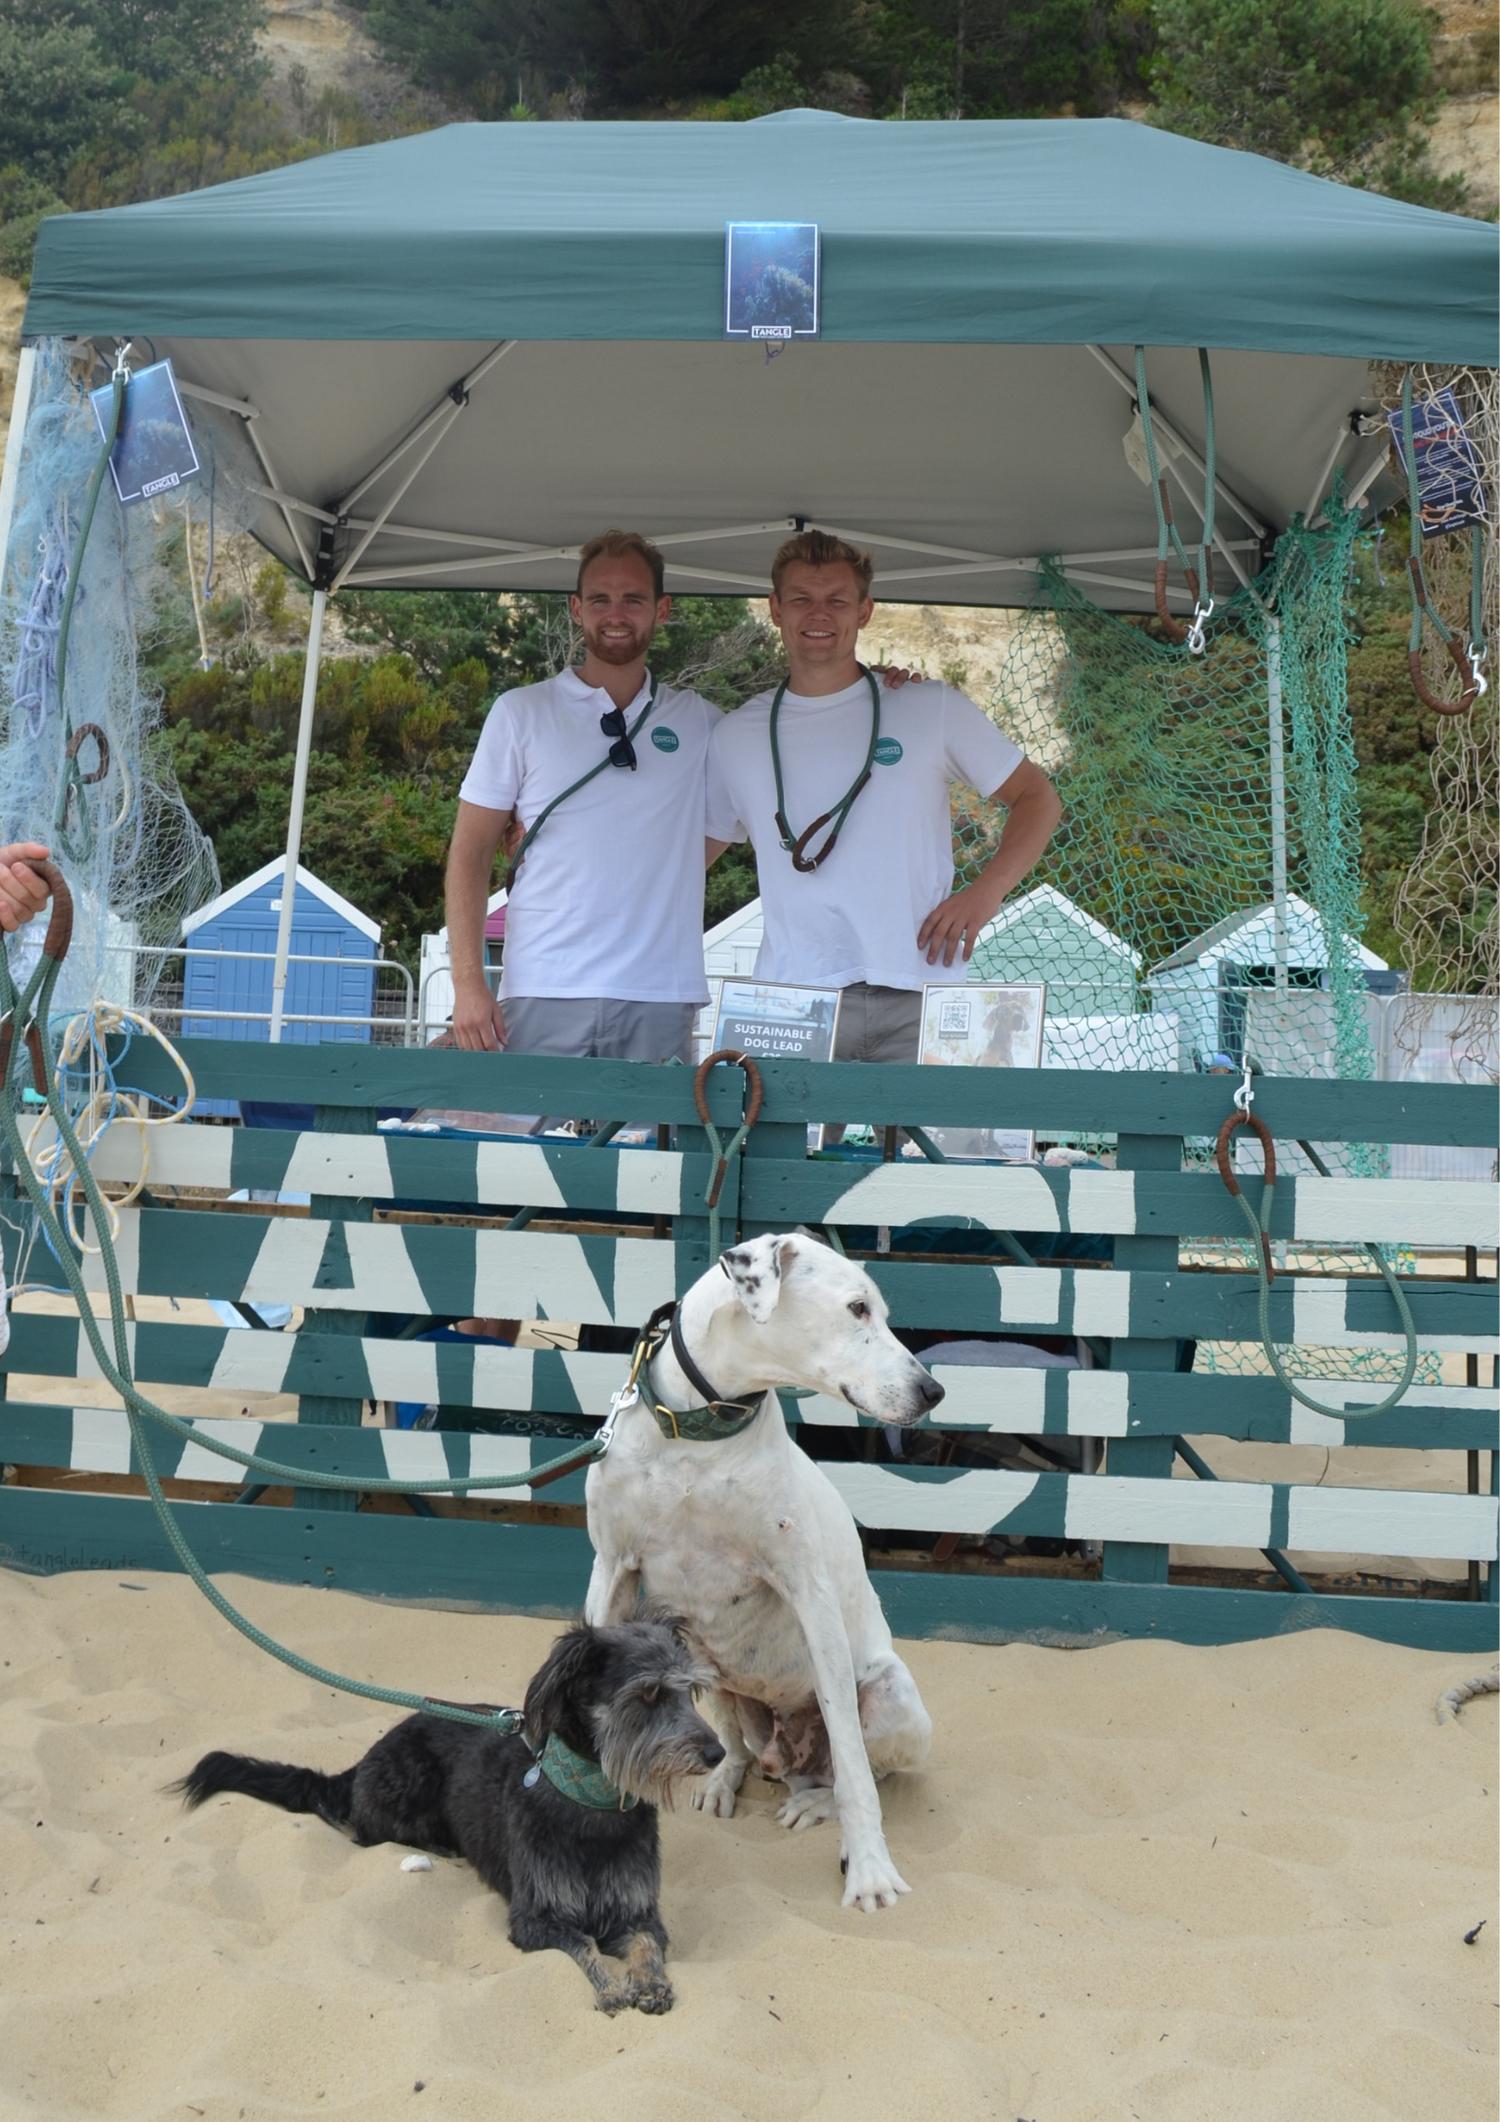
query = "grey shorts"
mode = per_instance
[
  {"x": 878, "y": 1023},
  {"x": 599, "y": 1028}
]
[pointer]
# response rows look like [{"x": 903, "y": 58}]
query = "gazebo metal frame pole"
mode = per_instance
[
  {"x": 1278, "y": 812},
  {"x": 19, "y": 412},
  {"x": 310, "y": 670}
]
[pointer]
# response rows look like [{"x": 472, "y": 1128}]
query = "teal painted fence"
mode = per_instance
[{"x": 411, "y": 1226}]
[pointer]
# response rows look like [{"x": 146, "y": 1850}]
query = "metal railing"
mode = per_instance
[
  {"x": 402, "y": 1020},
  {"x": 428, "y": 1026}
]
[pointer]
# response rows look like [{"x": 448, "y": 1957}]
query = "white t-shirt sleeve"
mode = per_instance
[
  {"x": 974, "y": 750},
  {"x": 494, "y": 777},
  {"x": 722, "y": 820}
]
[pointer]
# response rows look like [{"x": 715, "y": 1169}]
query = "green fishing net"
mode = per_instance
[{"x": 1200, "y": 900}]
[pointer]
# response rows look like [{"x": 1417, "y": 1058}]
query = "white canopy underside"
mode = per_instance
[{"x": 958, "y": 465}]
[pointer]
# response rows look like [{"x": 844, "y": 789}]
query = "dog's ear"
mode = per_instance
[
  {"x": 755, "y": 1271},
  {"x": 552, "y": 1699}
]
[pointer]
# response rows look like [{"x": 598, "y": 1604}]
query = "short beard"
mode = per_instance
[{"x": 616, "y": 651}]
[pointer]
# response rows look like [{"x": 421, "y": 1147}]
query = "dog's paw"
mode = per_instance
[
  {"x": 653, "y": 1995},
  {"x": 871, "y": 1881},
  {"x": 716, "y": 1795},
  {"x": 808, "y": 1808},
  {"x": 614, "y": 1999}
]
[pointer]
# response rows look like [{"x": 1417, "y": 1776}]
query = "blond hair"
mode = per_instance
[
  {"x": 815, "y": 548},
  {"x": 622, "y": 545}
]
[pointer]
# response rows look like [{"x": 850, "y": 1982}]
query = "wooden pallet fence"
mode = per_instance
[
  {"x": 648, "y": 1182},
  {"x": 354, "y": 1258},
  {"x": 926, "y": 1499}
]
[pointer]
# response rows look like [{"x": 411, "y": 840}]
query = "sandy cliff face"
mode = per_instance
[
  {"x": 12, "y": 305},
  {"x": 1466, "y": 143},
  {"x": 317, "y": 44}
]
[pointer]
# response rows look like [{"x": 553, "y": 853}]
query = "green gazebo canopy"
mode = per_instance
[{"x": 461, "y": 353}]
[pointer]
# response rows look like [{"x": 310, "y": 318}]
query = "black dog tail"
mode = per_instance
[{"x": 295, "y": 1790}]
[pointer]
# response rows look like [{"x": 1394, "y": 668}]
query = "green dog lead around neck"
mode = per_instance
[
  {"x": 796, "y": 844},
  {"x": 26, "y": 1014}
]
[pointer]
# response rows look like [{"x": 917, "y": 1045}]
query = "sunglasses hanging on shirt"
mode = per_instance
[
  {"x": 796, "y": 843},
  {"x": 620, "y": 753}
]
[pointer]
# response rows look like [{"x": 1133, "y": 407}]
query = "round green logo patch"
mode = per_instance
[
  {"x": 665, "y": 740},
  {"x": 887, "y": 751}
]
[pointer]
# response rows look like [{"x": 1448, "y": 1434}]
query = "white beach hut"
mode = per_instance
[
  {"x": 730, "y": 947},
  {"x": 435, "y": 982},
  {"x": 1222, "y": 987}
]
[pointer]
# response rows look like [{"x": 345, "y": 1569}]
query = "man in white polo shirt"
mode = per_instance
[
  {"x": 842, "y": 787},
  {"x": 603, "y": 769}
]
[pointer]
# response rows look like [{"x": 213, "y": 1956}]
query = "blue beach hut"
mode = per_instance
[{"x": 231, "y": 947}]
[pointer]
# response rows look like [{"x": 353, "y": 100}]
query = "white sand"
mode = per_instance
[{"x": 1148, "y": 1881}]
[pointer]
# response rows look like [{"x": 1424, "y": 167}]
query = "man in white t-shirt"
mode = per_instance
[
  {"x": 855, "y": 849},
  {"x": 604, "y": 923}
]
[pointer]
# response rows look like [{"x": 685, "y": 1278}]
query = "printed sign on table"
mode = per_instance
[
  {"x": 777, "y": 1022},
  {"x": 980, "y": 1025}
]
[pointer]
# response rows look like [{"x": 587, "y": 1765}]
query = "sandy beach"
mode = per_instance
[{"x": 1149, "y": 1881}]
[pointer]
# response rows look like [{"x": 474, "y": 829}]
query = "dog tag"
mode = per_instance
[{"x": 532, "y": 1776}]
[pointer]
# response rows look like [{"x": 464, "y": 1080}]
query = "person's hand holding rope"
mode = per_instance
[{"x": 23, "y": 894}]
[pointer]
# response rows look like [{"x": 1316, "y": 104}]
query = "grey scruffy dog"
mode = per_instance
[{"x": 562, "y": 1821}]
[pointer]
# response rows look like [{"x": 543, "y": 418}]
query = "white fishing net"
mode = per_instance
[{"x": 135, "y": 858}]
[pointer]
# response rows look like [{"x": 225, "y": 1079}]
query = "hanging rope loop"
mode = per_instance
[
  {"x": 1199, "y": 578},
  {"x": 101, "y": 752},
  {"x": 724, "y": 1151},
  {"x": 1262, "y": 1134},
  {"x": 1260, "y": 1231}
]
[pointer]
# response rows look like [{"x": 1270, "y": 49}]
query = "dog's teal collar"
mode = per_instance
[
  {"x": 578, "y": 1778},
  {"x": 695, "y": 1425}
]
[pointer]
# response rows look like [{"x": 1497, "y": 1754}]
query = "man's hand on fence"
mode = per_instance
[
  {"x": 478, "y": 1025},
  {"x": 23, "y": 894}
]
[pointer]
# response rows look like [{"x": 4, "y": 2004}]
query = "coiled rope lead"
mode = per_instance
[
  {"x": 1260, "y": 1227},
  {"x": 26, "y": 1013}
]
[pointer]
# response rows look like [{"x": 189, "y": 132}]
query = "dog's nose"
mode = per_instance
[
  {"x": 713, "y": 1754},
  {"x": 930, "y": 1390}
]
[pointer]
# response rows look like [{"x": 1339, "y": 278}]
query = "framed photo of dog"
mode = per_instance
[{"x": 984, "y": 1024}]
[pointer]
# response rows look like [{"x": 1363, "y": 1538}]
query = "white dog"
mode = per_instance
[{"x": 748, "y": 1539}]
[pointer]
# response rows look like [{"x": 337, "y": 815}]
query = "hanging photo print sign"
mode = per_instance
[
  {"x": 154, "y": 451},
  {"x": 980, "y": 1025},
  {"x": 771, "y": 280},
  {"x": 1448, "y": 479}
]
